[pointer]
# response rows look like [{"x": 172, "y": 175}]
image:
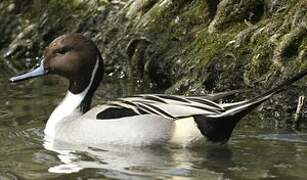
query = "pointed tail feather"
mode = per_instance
[
  {"x": 283, "y": 85},
  {"x": 219, "y": 127},
  {"x": 254, "y": 102}
]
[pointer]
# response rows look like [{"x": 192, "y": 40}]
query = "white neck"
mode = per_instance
[{"x": 69, "y": 107}]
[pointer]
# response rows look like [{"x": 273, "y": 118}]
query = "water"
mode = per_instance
[{"x": 252, "y": 153}]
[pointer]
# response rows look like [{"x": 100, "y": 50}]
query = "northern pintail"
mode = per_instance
[{"x": 139, "y": 120}]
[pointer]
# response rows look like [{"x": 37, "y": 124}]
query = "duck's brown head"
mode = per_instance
[{"x": 72, "y": 56}]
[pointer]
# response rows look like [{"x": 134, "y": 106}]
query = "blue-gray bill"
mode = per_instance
[{"x": 36, "y": 71}]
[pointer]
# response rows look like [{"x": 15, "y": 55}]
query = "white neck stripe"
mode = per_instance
[{"x": 68, "y": 106}]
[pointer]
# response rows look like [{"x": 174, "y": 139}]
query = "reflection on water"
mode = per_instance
[{"x": 256, "y": 154}]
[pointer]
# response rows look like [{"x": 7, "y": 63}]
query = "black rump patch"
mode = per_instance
[{"x": 115, "y": 113}]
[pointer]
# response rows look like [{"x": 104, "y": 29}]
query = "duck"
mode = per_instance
[{"x": 138, "y": 120}]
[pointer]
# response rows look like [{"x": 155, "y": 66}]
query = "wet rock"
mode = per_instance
[
  {"x": 136, "y": 51},
  {"x": 231, "y": 11},
  {"x": 289, "y": 45}
]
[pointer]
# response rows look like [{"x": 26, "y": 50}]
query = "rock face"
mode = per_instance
[{"x": 182, "y": 46}]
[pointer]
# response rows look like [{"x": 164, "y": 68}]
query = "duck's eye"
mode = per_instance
[{"x": 63, "y": 50}]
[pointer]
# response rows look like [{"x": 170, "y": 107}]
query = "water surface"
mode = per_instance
[{"x": 252, "y": 153}]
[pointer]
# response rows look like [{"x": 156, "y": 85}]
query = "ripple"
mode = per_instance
[{"x": 287, "y": 137}]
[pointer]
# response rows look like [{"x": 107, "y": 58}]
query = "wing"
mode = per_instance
[{"x": 167, "y": 106}]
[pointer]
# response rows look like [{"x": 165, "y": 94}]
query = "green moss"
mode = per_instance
[
  {"x": 303, "y": 45},
  {"x": 206, "y": 46},
  {"x": 260, "y": 63}
]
